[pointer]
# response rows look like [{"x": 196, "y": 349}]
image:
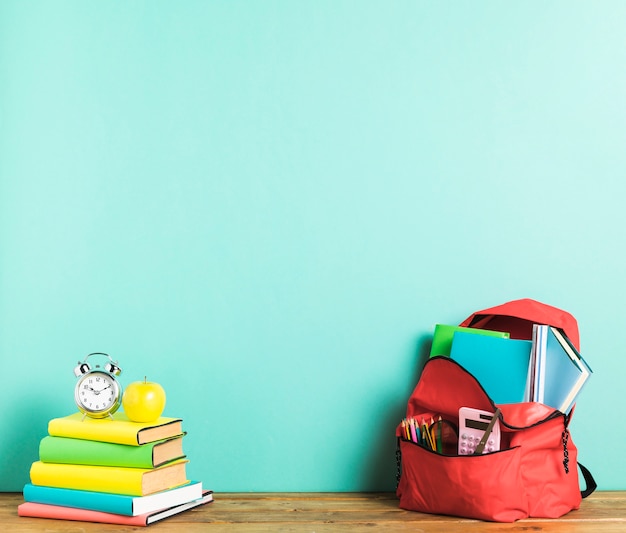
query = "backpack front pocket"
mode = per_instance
[{"x": 486, "y": 487}]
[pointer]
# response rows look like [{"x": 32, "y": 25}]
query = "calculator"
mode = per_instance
[{"x": 472, "y": 426}]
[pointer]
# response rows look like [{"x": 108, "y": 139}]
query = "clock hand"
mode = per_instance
[{"x": 102, "y": 390}]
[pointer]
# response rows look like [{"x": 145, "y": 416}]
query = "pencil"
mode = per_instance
[
  {"x": 426, "y": 436},
  {"x": 413, "y": 432},
  {"x": 433, "y": 437}
]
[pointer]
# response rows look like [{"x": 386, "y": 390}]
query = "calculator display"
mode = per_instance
[{"x": 475, "y": 424}]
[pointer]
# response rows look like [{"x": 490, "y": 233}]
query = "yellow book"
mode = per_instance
[
  {"x": 119, "y": 429},
  {"x": 110, "y": 479}
]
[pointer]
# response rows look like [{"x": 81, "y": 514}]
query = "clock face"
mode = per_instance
[{"x": 97, "y": 394}]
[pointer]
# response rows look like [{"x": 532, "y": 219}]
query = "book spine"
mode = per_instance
[
  {"x": 93, "y": 501},
  {"x": 38, "y": 510},
  {"x": 118, "y": 430},
  {"x": 116, "y": 480},
  {"x": 107, "y": 431},
  {"x": 87, "y": 452}
]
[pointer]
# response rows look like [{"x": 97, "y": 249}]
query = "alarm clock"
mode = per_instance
[{"x": 97, "y": 393}]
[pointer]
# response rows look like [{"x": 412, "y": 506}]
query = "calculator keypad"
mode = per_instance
[{"x": 468, "y": 443}]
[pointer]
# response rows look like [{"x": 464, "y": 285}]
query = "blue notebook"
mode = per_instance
[
  {"x": 500, "y": 365},
  {"x": 563, "y": 371}
]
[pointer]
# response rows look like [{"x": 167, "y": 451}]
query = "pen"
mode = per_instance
[
  {"x": 439, "y": 438},
  {"x": 481, "y": 445}
]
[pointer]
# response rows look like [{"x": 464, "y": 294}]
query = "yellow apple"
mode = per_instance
[{"x": 143, "y": 401}]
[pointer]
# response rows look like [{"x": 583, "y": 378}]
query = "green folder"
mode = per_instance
[{"x": 444, "y": 333}]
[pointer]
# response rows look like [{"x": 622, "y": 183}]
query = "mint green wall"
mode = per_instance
[{"x": 266, "y": 207}]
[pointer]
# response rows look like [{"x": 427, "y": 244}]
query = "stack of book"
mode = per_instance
[{"x": 111, "y": 470}]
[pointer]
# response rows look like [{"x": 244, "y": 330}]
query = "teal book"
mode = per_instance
[
  {"x": 113, "y": 503},
  {"x": 444, "y": 333},
  {"x": 499, "y": 364}
]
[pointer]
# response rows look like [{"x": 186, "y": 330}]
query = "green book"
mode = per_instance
[
  {"x": 67, "y": 450},
  {"x": 444, "y": 333}
]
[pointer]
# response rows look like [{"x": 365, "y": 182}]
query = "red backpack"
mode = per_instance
[
  {"x": 518, "y": 316},
  {"x": 535, "y": 472}
]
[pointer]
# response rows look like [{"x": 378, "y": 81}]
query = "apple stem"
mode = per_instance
[{"x": 144, "y": 379}]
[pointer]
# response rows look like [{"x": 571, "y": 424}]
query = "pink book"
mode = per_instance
[{"x": 41, "y": 510}]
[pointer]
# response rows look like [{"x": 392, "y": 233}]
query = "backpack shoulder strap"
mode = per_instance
[{"x": 590, "y": 483}]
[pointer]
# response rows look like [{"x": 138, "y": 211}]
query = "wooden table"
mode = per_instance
[{"x": 602, "y": 512}]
